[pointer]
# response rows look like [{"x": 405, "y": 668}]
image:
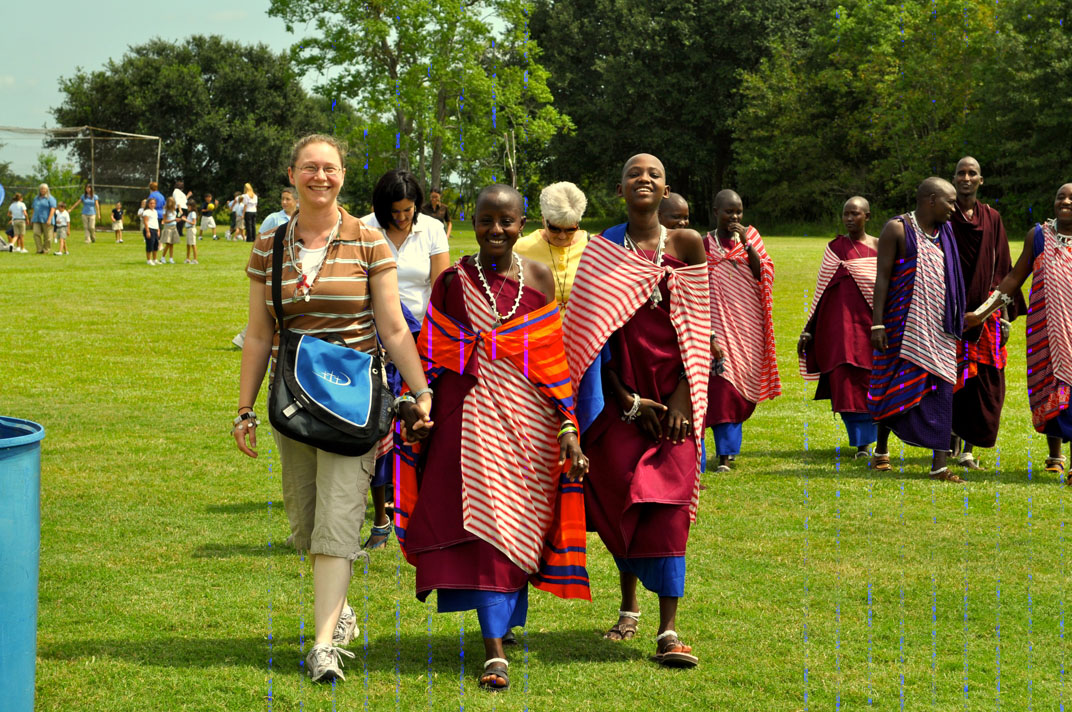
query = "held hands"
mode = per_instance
[
  {"x": 802, "y": 344},
  {"x": 570, "y": 448},
  {"x": 416, "y": 422}
]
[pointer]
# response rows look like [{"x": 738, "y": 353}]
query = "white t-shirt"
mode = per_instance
[
  {"x": 63, "y": 218},
  {"x": 238, "y": 206},
  {"x": 154, "y": 221},
  {"x": 18, "y": 210},
  {"x": 180, "y": 199},
  {"x": 426, "y": 238},
  {"x": 249, "y": 203}
]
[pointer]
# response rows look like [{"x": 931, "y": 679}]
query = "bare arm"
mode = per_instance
[
  {"x": 438, "y": 263},
  {"x": 397, "y": 339},
  {"x": 891, "y": 245},
  {"x": 256, "y": 350},
  {"x": 1014, "y": 280}
]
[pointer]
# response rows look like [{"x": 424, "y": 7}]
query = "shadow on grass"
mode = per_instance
[
  {"x": 411, "y": 658},
  {"x": 239, "y": 507},
  {"x": 226, "y": 551}
]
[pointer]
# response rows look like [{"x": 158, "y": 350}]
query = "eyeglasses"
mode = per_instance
[
  {"x": 558, "y": 230},
  {"x": 311, "y": 170}
]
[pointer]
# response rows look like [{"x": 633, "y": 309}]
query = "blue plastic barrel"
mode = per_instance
[{"x": 20, "y": 551}]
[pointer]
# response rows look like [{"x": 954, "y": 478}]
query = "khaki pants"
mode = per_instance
[
  {"x": 19, "y": 227},
  {"x": 42, "y": 233},
  {"x": 89, "y": 225},
  {"x": 324, "y": 496}
]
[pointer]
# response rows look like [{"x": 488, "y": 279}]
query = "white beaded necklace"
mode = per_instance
[
  {"x": 503, "y": 318},
  {"x": 1062, "y": 240},
  {"x": 631, "y": 244},
  {"x": 919, "y": 230}
]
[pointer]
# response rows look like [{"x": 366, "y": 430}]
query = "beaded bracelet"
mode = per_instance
[
  {"x": 567, "y": 428},
  {"x": 631, "y": 414}
]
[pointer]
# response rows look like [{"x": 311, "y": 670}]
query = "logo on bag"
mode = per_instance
[{"x": 334, "y": 380}]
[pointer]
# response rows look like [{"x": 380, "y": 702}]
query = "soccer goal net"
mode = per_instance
[{"x": 116, "y": 163}]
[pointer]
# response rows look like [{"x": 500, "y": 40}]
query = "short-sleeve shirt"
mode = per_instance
[
  {"x": 427, "y": 238},
  {"x": 180, "y": 199},
  {"x": 89, "y": 204},
  {"x": 273, "y": 221},
  {"x": 339, "y": 301},
  {"x": 442, "y": 213},
  {"x": 42, "y": 206},
  {"x": 249, "y": 203},
  {"x": 159, "y": 202},
  {"x": 117, "y": 214},
  {"x": 63, "y": 218},
  {"x": 563, "y": 261},
  {"x": 18, "y": 210},
  {"x": 154, "y": 220}
]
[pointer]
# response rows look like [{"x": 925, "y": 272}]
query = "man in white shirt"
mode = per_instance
[{"x": 181, "y": 196}]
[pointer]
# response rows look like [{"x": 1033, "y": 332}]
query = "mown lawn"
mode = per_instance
[{"x": 813, "y": 583}]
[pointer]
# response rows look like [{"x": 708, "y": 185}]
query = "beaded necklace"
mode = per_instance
[
  {"x": 1062, "y": 240},
  {"x": 919, "y": 230},
  {"x": 630, "y": 243},
  {"x": 493, "y": 298}
]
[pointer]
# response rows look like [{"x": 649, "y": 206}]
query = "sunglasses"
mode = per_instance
[{"x": 558, "y": 230}]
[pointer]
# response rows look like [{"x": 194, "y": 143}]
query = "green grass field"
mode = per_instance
[{"x": 165, "y": 584}]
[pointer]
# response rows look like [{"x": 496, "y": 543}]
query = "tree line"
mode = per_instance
[{"x": 797, "y": 104}]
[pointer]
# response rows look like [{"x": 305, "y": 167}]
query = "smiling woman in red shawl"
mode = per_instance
[
  {"x": 835, "y": 347},
  {"x": 638, "y": 330},
  {"x": 742, "y": 331},
  {"x": 1047, "y": 257},
  {"x": 488, "y": 509}
]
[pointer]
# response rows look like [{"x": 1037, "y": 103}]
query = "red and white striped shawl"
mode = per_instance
[
  {"x": 863, "y": 271},
  {"x": 924, "y": 342},
  {"x": 612, "y": 283},
  {"x": 1057, "y": 266},
  {"x": 741, "y": 317},
  {"x": 507, "y": 499}
]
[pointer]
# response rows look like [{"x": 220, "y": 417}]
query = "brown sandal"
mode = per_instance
[
  {"x": 625, "y": 628},
  {"x": 944, "y": 475},
  {"x": 880, "y": 462},
  {"x": 671, "y": 652}
]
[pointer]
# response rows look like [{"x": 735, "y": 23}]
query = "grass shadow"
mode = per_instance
[
  {"x": 173, "y": 652},
  {"x": 227, "y": 551},
  {"x": 237, "y": 508}
]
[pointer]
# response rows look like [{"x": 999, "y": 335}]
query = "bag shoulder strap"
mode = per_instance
[{"x": 277, "y": 275}]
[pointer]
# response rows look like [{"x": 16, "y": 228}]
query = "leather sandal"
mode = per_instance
[
  {"x": 625, "y": 628},
  {"x": 880, "y": 461},
  {"x": 944, "y": 475},
  {"x": 968, "y": 461},
  {"x": 495, "y": 669},
  {"x": 1056, "y": 465},
  {"x": 671, "y": 652}
]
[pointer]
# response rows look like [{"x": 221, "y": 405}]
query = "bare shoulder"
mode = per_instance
[
  {"x": 687, "y": 245},
  {"x": 539, "y": 275}
]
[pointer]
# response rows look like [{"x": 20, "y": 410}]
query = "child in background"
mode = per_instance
[
  {"x": 238, "y": 216},
  {"x": 169, "y": 231},
  {"x": 17, "y": 212},
  {"x": 208, "y": 222},
  {"x": 117, "y": 222},
  {"x": 191, "y": 234},
  {"x": 63, "y": 228},
  {"x": 150, "y": 230}
]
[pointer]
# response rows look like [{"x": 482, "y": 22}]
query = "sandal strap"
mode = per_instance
[
  {"x": 635, "y": 615},
  {"x": 489, "y": 661},
  {"x": 1059, "y": 458},
  {"x": 666, "y": 634},
  {"x": 939, "y": 471},
  {"x": 965, "y": 457}
]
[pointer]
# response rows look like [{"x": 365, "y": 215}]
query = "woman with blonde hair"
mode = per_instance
[
  {"x": 249, "y": 215},
  {"x": 560, "y": 242}
]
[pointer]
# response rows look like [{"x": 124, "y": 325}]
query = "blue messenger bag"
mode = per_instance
[{"x": 325, "y": 394}]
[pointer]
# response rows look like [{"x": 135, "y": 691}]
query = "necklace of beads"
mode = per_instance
[
  {"x": 919, "y": 230},
  {"x": 630, "y": 243},
  {"x": 503, "y": 318},
  {"x": 1062, "y": 240}
]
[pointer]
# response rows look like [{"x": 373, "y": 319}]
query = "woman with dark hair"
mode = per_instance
[
  {"x": 90, "y": 212},
  {"x": 419, "y": 246}
]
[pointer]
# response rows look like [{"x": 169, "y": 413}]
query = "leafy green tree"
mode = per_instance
[
  {"x": 663, "y": 78},
  {"x": 456, "y": 80},
  {"x": 227, "y": 112}
]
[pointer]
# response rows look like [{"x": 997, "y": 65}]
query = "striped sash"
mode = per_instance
[
  {"x": 924, "y": 342},
  {"x": 1049, "y": 321},
  {"x": 861, "y": 269},
  {"x": 741, "y": 317},
  {"x": 519, "y": 501},
  {"x": 612, "y": 283}
]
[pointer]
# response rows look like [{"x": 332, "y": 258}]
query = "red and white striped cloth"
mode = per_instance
[
  {"x": 1058, "y": 266},
  {"x": 611, "y": 284},
  {"x": 508, "y": 499},
  {"x": 863, "y": 271},
  {"x": 925, "y": 343},
  {"x": 741, "y": 317}
]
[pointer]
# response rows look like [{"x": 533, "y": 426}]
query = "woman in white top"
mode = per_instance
[
  {"x": 419, "y": 245},
  {"x": 249, "y": 203}
]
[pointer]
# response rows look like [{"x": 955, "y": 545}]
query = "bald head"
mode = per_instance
[
  {"x": 934, "y": 186},
  {"x": 727, "y": 197},
  {"x": 858, "y": 202},
  {"x": 935, "y": 200},
  {"x": 644, "y": 158},
  {"x": 968, "y": 161},
  {"x": 674, "y": 212},
  {"x": 501, "y": 194},
  {"x": 855, "y": 214},
  {"x": 967, "y": 177}
]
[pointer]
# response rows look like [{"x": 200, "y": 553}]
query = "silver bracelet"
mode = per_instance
[
  {"x": 407, "y": 398},
  {"x": 421, "y": 392},
  {"x": 804, "y": 334},
  {"x": 876, "y": 327},
  {"x": 247, "y": 416},
  {"x": 630, "y": 415}
]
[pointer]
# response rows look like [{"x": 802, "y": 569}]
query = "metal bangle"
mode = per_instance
[
  {"x": 876, "y": 327},
  {"x": 421, "y": 392},
  {"x": 630, "y": 415}
]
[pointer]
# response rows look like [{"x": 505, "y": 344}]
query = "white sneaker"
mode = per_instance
[
  {"x": 346, "y": 628},
  {"x": 324, "y": 662},
  {"x": 193, "y": 262},
  {"x": 171, "y": 260},
  {"x": 149, "y": 262},
  {"x": 186, "y": 262}
]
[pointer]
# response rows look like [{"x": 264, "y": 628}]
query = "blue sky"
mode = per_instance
[{"x": 39, "y": 47}]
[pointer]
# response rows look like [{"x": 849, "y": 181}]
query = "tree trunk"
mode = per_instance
[
  {"x": 421, "y": 175},
  {"x": 402, "y": 129},
  {"x": 437, "y": 142}
]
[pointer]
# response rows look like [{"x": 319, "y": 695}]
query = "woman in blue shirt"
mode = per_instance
[{"x": 90, "y": 211}]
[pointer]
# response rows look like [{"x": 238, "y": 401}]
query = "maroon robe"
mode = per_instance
[
  {"x": 840, "y": 348},
  {"x": 448, "y": 556},
  {"x": 638, "y": 491}
]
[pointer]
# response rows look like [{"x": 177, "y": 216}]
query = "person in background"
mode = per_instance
[
  {"x": 18, "y": 213},
  {"x": 169, "y": 232},
  {"x": 419, "y": 246},
  {"x": 156, "y": 195},
  {"x": 117, "y": 222},
  {"x": 208, "y": 219},
  {"x": 191, "y": 233},
  {"x": 249, "y": 213},
  {"x": 438, "y": 210},
  {"x": 90, "y": 212},
  {"x": 674, "y": 212},
  {"x": 182, "y": 204},
  {"x": 63, "y": 229},
  {"x": 44, "y": 216},
  {"x": 150, "y": 230},
  {"x": 560, "y": 242}
]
